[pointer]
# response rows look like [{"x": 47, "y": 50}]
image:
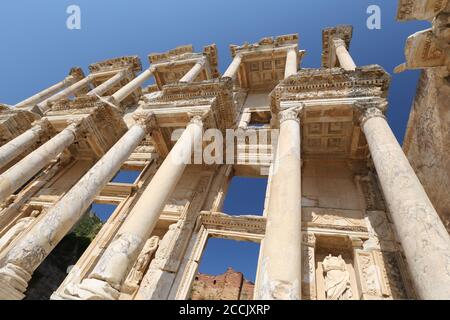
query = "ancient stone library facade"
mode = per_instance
[{"x": 345, "y": 215}]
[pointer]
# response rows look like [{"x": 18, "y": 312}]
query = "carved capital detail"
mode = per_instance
[
  {"x": 292, "y": 113},
  {"x": 76, "y": 127},
  {"x": 309, "y": 239},
  {"x": 371, "y": 110},
  {"x": 338, "y": 42},
  {"x": 147, "y": 120},
  {"x": 196, "y": 118},
  {"x": 43, "y": 128}
]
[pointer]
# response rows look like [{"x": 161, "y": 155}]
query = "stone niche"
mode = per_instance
[{"x": 335, "y": 269}]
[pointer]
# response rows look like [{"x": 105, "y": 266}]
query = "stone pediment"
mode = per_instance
[{"x": 132, "y": 63}]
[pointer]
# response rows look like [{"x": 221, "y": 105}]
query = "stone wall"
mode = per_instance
[
  {"x": 230, "y": 285},
  {"x": 427, "y": 140}
]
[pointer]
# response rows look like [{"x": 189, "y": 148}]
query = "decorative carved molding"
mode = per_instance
[
  {"x": 419, "y": 9},
  {"x": 145, "y": 119},
  {"x": 77, "y": 74},
  {"x": 132, "y": 63},
  {"x": 222, "y": 221},
  {"x": 333, "y": 83},
  {"x": 268, "y": 42}
]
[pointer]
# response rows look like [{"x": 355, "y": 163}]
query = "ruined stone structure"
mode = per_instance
[
  {"x": 427, "y": 139},
  {"x": 230, "y": 285},
  {"x": 345, "y": 215}
]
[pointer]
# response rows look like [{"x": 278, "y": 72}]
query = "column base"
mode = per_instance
[
  {"x": 88, "y": 289},
  {"x": 14, "y": 280}
]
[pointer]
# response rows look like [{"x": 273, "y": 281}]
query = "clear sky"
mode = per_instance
[{"x": 38, "y": 50}]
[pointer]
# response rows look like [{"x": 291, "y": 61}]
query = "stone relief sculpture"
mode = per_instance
[
  {"x": 137, "y": 272},
  {"x": 17, "y": 229},
  {"x": 337, "y": 278}
]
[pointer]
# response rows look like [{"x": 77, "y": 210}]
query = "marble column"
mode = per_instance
[
  {"x": 18, "y": 145},
  {"x": 28, "y": 253},
  {"x": 106, "y": 279},
  {"x": 66, "y": 92},
  {"x": 424, "y": 239},
  {"x": 131, "y": 86},
  {"x": 279, "y": 274},
  {"x": 344, "y": 57},
  {"x": 233, "y": 68},
  {"x": 45, "y": 93},
  {"x": 16, "y": 176},
  {"x": 105, "y": 86},
  {"x": 291, "y": 63},
  {"x": 194, "y": 71}
]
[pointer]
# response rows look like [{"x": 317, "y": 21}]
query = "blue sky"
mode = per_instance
[{"x": 38, "y": 50}]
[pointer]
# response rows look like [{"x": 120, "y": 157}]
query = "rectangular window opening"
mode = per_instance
[
  {"x": 126, "y": 176},
  {"x": 246, "y": 196},
  {"x": 227, "y": 271}
]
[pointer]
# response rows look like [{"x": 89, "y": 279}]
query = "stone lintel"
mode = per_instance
[{"x": 331, "y": 83}]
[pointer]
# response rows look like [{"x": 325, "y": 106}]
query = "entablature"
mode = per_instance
[
  {"x": 172, "y": 65},
  {"x": 14, "y": 122},
  {"x": 263, "y": 63},
  {"x": 101, "y": 125}
]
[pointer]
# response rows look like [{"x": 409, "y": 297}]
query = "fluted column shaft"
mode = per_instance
[
  {"x": 66, "y": 92},
  {"x": 344, "y": 57},
  {"x": 105, "y": 86},
  {"x": 16, "y": 176},
  {"x": 291, "y": 63},
  {"x": 113, "y": 266},
  {"x": 15, "y": 147},
  {"x": 194, "y": 71},
  {"x": 131, "y": 86},
  {"x": 45, "y": 93},
  {"x": 424, "y": 239},
  {"x": 279, "y": 275},
  {"x": 233, "y": 68},
  {"x": 32, "y": 249}
]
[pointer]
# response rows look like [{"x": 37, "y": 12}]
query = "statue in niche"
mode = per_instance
[
  {"x": 17, "y": 229},
  {"x": 137, "y": 272},
  {"x": 337, "y": 278}
]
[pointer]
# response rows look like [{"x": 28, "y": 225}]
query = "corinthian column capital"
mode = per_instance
[
  {"x": 292, "y": 113},
  {"x": 76, "y": 127},
  {"x": 371, "y": 110},
  {"x": 196, "y": 118},
  {"x": 146, "y": 120},
  {"x": 338, "y": 42},
  {"x": 42, "y": 128}
]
